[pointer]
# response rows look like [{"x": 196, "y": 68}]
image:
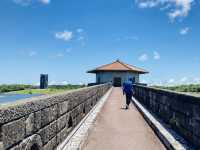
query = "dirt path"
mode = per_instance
[{"x": 119, "y": 129}]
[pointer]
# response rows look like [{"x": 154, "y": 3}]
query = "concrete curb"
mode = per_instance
[{"x": 172, "y": 141}]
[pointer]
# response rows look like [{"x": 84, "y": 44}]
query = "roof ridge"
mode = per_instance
[
  {"x": 137, "y": 67},
  {"x": 124, "y": 64},
  {"x": 128, "y": 66},
  {"x": 106, "y": 65}
]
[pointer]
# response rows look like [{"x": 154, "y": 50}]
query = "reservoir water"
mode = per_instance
[{"x": 9, "y": 98}]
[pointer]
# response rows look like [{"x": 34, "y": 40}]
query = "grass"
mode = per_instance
[
  {"x": 29, "y": 89},
  {"x": 182, "y": 88},
  {"x": 192, "y": 89},
  {"x": 41, "y": 91},
  {"x": 14, "y": 87},
  {"x": 51, "y": 90}
]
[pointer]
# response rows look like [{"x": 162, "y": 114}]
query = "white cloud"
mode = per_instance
[
  {"x": 184, "y": 79},
  {"x": 184, "y": 31},
  {"x": 189, "y": 80},
  {"x": 161, "y": 83},
  {"x": 143, "y": 57},
  {"x": 36, "y": 84},
  {"x": 156, "y": 55},
  {"x": 28, "y": 2},
  {"x": 65, "y": 35},
  {"x": 78, "y": 35},
  {"x": 170, "y": 81},
  {"x": 45, "y": 1},
  {"x": 148, "y": 4},
  {"x": 196, "y": 80},
  {"x": 81, "y": 83},
  {"x": 182, "y": 8},
  {"x": 175, "y": 8},
  {"x": 174, "y": 82},
  {"x": 52, "y": 82},
  {"x": 64, "y": 83}
]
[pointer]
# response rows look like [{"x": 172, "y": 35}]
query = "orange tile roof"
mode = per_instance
[{"x": 118, "y": 66}]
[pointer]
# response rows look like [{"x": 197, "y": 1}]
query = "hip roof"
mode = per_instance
[{"x": 118, "y": 66}]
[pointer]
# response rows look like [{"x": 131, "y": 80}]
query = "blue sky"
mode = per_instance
[{"x": 65, "y": 38}]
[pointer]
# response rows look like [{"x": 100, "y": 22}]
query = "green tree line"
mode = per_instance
[
  {"x": 19, "y": 87},
  {"x": 14, "y": 87},
  {"x": 182, "y": 88}
]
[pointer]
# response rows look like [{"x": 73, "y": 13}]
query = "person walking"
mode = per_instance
[{"x": 128, "y": 91}]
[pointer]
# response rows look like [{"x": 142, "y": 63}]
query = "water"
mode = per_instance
[{"x": 10, "y": 98}]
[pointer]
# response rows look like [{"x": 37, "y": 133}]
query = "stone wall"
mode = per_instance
[
  {"x": 44, "y": 122},
  {"x": 180, "y": 111}
]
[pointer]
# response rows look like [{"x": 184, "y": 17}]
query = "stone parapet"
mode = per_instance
[
  {"x": 44, "y": 122},
  {"x": 180, "y": 111}
]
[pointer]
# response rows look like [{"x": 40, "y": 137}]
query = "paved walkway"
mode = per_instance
[{"x": 119, "y": 129}]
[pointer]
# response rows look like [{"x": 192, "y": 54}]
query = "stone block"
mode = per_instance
[
  {"x": 45, "y": 117},
  {"x": 48, "y": 115},
  {"x": 29, "y": 124},
  {"x": 53, "y": 112},
  {"x": 48, "y": 132},
  {"x": 63, "y": 107},
  {"x": 37, "y": 120},
  {"x": 51, "y": 145},
  {"x": 52, "y": 130},
  {"x": 61, "y": 122},
  {"x": 63, "y": 134},
  {"x": 13, "y": 132},
  {"x": 31, "y": 142}
]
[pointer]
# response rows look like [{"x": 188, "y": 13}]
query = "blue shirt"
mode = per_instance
[{"x": 128, "y": 88}]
